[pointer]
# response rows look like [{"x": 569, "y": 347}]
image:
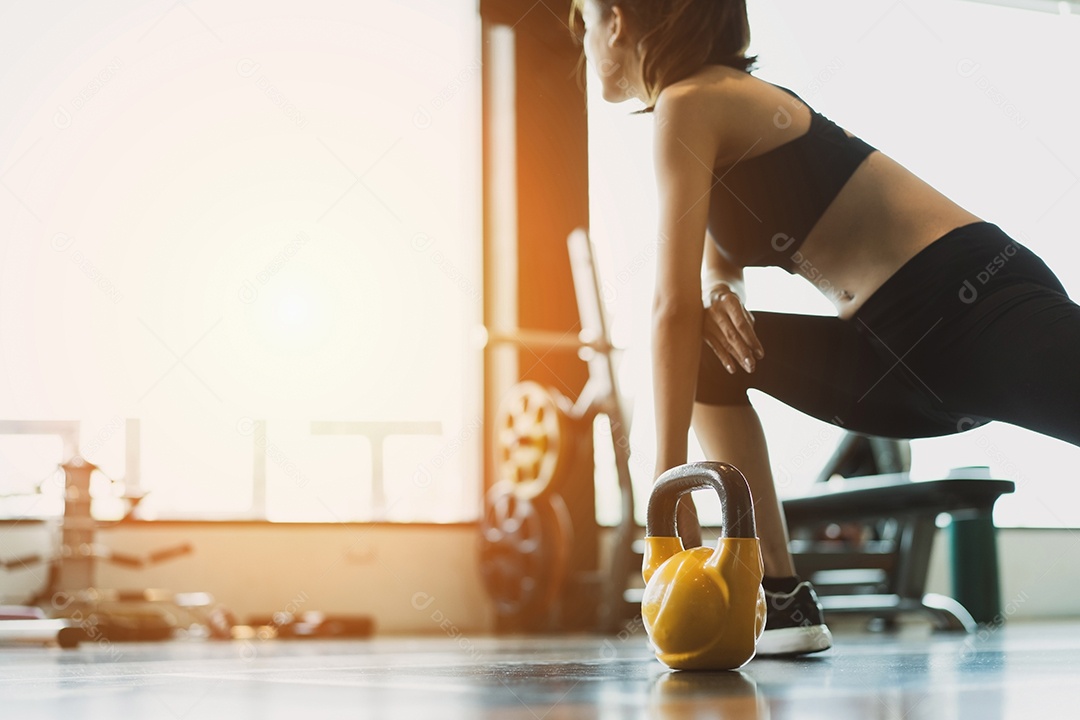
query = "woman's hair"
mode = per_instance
[{"x": 677, "y": 37}]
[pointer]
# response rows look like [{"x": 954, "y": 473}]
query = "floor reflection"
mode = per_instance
[
  {"x": 688, "y": 695},
  {"x": 1018, "y": 672}
]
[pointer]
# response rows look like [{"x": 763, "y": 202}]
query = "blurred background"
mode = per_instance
[{"x": 242, "y": 270}]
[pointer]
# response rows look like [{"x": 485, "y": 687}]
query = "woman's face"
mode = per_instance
[{"x": 605, "y": 45}]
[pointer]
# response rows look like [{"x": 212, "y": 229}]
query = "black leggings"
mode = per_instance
[{"x": 974, "y": 328}]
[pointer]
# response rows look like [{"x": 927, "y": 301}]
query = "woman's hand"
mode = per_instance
[{"x": 728, "y": 329}]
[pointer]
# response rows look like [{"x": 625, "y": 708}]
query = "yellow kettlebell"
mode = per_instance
[{"x": 703, "y": 609}]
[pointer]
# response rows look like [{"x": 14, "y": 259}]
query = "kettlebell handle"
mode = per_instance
[{"x": 722, "y": 477}]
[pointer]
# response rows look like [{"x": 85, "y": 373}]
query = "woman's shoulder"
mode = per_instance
[{"x": 738, "y": 106}]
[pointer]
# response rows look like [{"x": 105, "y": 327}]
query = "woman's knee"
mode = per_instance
[{"x": 715, "y": 385}]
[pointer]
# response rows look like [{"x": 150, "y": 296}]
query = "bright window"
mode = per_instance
[
  {"x": 255, "y": 229},
  {"x": 974, "y": 98}
]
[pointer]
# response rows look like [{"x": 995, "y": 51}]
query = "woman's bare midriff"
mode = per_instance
[
  {"x": 880, "y": 219},
  {"x": 882, "y": 216}
]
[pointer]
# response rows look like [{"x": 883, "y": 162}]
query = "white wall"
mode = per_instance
[
  {"x": 408, "y": 578},
  {"x": 390, "y": 573}
]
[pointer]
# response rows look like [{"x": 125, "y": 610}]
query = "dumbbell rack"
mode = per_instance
[
  {"x": 599, "y": 395},
  {"x": 74, "y": 567}
]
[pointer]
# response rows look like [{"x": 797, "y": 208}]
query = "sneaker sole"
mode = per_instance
[{"x": 794, "y": 641}]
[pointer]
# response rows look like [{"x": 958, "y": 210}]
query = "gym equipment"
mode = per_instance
[
  {"x": 41, "y": 631},
  {"x": 84, "y": 613},
  {"x": 141, "y": 615},
  {"x": 532, "y": 425},
  {"x": 311, "y": 624},
  {"x": 74, "y": 562},
  {"x": 704, "y": 609},
  {"x": 525, "y": 549},
  {"x": 860, "y": 455},
  {"x": 23, "y": 623},
  {"x": 103, "y": 553},
  {"x": 864, "y": 535},
  {"x": 544, "y": 454}
]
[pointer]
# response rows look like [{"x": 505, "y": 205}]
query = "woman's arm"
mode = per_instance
[
  {"x": 716, "y": 272},
  {"x": 685, "y": 145},
  {"x": 728, "y": 326}
]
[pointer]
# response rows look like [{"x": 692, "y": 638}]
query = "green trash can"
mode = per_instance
[{"x": 975, "y": 581}]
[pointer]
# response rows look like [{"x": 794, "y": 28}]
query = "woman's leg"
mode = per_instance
[
  {"x": 836, "y": 371},
  {"x": 822, "y": 366},
  {"x": 989, "y": 331},
  {"x": 826, "y": 368},
  {"x": 1018, "y": 361},
  {"x": 734, "y": 433}
]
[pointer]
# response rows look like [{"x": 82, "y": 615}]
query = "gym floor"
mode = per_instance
[{"x": 1017, "y": 671}]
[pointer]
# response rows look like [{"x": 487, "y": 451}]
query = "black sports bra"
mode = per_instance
[{"x": 762, "y": 208}]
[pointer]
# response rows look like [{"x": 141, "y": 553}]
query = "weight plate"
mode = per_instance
[
  {"x": 523, "y": 554},
  {"x": 531, "y": 439}
]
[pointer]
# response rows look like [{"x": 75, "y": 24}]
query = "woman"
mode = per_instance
[{"x": 943, "y": 321}]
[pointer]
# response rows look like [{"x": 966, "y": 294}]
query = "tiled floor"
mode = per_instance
[{"x": 1022, "y": 671}]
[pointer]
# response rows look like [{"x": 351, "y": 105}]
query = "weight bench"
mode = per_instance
[{"x": 882, "y": 572}]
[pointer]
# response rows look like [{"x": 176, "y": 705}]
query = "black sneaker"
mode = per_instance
[{"x": 793, "y": 623}]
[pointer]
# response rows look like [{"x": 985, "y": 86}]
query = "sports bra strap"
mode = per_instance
[{"x": 788, "y": 91}]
